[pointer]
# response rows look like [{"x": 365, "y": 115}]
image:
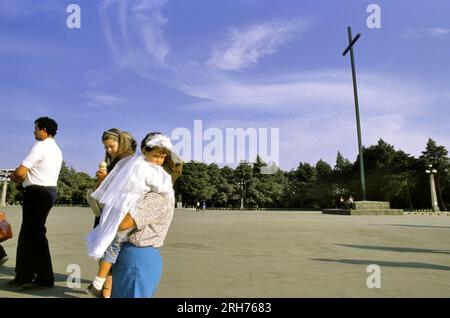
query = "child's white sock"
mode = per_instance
[
  {"x": 98, "y": 282},
  {"x": 123, "y": 235}
]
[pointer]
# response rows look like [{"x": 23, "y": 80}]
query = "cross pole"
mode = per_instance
[{"x": 351, "y": 42}]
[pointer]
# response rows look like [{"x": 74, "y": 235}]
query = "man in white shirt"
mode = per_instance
[{"x": 38, "y": 174}]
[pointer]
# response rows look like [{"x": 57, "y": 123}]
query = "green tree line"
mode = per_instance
[
  {"x": 391, "y": 175},
  {"x": 72, "y": 187}
]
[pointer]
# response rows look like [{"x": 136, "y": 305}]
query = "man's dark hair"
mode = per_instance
[{"x": 49, "y": 124}]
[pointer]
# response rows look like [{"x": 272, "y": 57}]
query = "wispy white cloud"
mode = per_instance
[
  {"x": 435, "y": 32},
  {"x": 97, "y": 99},
  {"x": 313, "y": 136},
  {"x": 317, "y": 137},
  {"x": 53, "y": 86},
  {"x": 244, "y": 47},
  {"x": 439, "y": 31},
  {"x": 315, "y": 112},
  {"x": 326, "y": 90},
  {"x": 134, "y": 32}
]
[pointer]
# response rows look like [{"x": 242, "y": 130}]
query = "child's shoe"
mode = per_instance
[{"x": 91, "y": 290}]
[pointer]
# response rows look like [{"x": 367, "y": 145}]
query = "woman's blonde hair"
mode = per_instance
[{"x": 126, "y": 142}]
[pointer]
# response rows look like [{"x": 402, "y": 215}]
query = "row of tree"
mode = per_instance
[
  {"x": 391, "y": 175},
  {"x": 72, "y": 187}
]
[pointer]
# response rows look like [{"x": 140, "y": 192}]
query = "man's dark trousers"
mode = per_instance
[{"x": 33, "y": 260}]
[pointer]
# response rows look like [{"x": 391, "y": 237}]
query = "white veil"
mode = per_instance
[{"x": 119, "y": 193}]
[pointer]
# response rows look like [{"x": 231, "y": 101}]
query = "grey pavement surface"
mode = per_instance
[{"x": 266, "y": 254}]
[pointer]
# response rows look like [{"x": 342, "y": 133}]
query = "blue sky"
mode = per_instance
[{"x": 146, "y": 65}]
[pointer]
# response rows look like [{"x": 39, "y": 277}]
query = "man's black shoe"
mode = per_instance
[{"x": 32, "y": 286}]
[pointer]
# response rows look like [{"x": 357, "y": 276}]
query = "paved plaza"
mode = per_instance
[{"x": 266, "y": 254}]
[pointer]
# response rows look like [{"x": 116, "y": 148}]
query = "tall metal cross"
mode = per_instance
[{"x": 351, "y": 42}]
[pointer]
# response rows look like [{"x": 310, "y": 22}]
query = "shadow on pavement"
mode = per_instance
[
  {"x": 384, "y": 263},
  {"x": 412, "y": 225},
  {"x": 56, "y": 291},
  {"x": 397, "y": 249}
]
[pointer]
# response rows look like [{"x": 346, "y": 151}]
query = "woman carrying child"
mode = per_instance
[{"x": 122, "y": 193}]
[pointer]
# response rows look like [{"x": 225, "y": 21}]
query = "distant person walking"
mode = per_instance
[
  {"x": 349, "y": 203},
  {"x": 38, "y": 175}
]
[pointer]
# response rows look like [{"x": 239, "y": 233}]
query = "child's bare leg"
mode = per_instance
[
  {"x": 96, "y": 287},
  {"x": 107, "y": 287},
  {"x": 127, "y": 223},
  {"x": 102, "y": 278},
  {"x": 103, "y": 269}
]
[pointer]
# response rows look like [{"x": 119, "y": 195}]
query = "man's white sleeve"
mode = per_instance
[{"x": 34, "y": 156}]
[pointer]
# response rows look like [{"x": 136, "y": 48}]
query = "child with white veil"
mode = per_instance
[{"x": 119, "y": 192}]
